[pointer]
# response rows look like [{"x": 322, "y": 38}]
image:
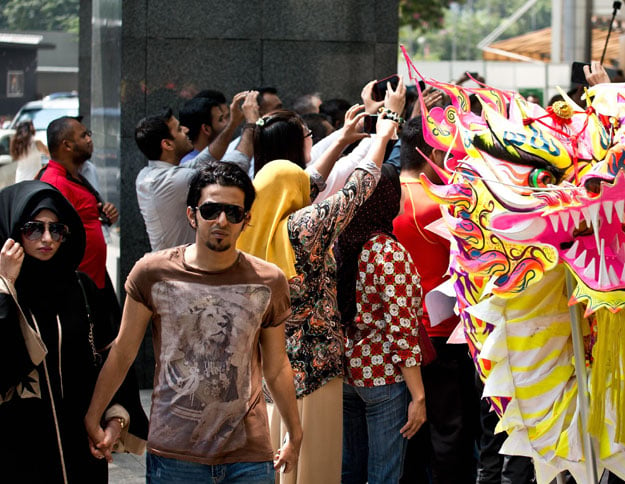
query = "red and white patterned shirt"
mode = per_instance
[{"x": 384, "y": 334}]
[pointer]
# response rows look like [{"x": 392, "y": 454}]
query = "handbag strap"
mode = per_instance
[{"x": 97, "y": 357}]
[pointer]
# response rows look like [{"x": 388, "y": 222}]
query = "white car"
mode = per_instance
[
  {"x": 41, "y": 113},
  {"x": 5, "y": 157}
]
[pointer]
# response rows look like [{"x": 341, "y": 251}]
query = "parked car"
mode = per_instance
[
  {"x": 41, "y": 113},
  {"x": 5, "y": 157}
]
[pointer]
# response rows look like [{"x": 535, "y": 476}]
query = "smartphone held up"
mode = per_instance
[
  {"x": 369, "y": 123},
  {"x": 379, "y": 88}
]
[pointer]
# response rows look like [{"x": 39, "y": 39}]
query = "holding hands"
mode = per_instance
[
  {"x": 11, "y": 259},
  {"x": 102, "y": 440}
]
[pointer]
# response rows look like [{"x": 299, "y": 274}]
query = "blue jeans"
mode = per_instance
[
  {"x": 373, "y": 447},
  {"x": 162, "y": 470}
]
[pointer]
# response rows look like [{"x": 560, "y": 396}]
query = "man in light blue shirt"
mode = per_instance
[{"x": 162, "y": 185}]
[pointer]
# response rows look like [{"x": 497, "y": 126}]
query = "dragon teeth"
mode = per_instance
[
  {"x": 572, "y": 252},
  {"x": 623, "y": 274},
  {"x": 581, "y": 260},
  {"x": 586, "y": 215},
  {"x": 575, "y": 217},
  {"x": 564, "y": 216},
  {"x": 619, "y": 208},
  {"x": 554, "y": 222},
  {"x": 589, "y": 272},
  {"x": 604, "y": 279},
  {"x": 614, "y": 280},
  {"x": 607, "y": 209},
  {"x": 593, "y": 211}
]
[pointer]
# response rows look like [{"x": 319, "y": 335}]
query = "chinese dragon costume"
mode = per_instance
[{"x": 529, "y": 195}]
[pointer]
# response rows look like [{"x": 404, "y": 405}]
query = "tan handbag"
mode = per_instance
[{"x": 35, "y": 346}]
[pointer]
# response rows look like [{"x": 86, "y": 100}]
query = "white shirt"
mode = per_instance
[
  {"x": 342, "y": 169},
  {"x": 162, "y": 195},
  {"x": 231, "y": 156}
]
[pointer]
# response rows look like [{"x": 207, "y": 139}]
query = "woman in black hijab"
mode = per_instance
[{"x": 51, "y": 343}]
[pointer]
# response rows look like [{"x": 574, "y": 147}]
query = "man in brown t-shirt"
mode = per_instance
[{"x": 218, "y": 315}]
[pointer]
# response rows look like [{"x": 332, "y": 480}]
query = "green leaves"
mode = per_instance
[
  {"x": 446, "y": 30},
  {"x": 48, "y": 15}
]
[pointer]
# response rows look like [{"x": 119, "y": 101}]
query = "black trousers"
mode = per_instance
[
  {"x": 449, "y": 454},
  {"x": 493, "y": 467}
]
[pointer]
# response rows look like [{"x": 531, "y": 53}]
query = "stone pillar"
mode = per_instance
[
  {"x": 84, "y": 62},
  {"x": 576, "y": 30}
]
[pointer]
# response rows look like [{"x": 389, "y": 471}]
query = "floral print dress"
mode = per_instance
[{"x": 314, "y": 335}]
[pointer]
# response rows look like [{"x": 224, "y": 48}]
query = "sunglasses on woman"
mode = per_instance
[
  {"x": 212, "y": 211},
  {"x": 35, "y": 229}
]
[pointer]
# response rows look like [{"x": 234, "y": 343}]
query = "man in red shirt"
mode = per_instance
[
  {"x": 451, "y": 399},
  {"x": 70, "y": 145}
]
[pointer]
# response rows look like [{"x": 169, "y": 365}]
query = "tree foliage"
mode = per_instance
[
  {"x": 465, "y": 25},
  {"x": 48, "y": 15},
  {"x": 423, "y": 15}
]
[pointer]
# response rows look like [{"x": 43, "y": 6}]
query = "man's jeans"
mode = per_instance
[
  {"x": 373, "y": 447},
  {"x": 162, "y": 470}
]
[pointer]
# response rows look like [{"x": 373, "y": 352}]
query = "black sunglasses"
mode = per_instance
[
  {"x": 34, "y": 230},
  {"x": 212, "y": 210}
]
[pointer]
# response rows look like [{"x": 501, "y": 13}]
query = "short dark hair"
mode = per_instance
[
  {"x": 212, "y": 94},
  {"x": 150, "y": 131},
  {"x": 315, "y": 123},
  {"x": 58, "y": 130},
  {"x": 305, "y": 104},
  {"x": 335, "y": 109},
  {"x": 279, "y": 137},
  {"x": 411, "y": 138},
  {"x": 411, "y": 97},
  {"x": 264, "y": 90},
  {"x": 224, "y": 174},
  {"x": 195, "y": 113}
]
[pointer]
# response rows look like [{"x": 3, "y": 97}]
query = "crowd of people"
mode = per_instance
[{"x": 286, "y": 290}]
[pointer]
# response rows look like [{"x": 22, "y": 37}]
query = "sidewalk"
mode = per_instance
[{"x": 130, "y": 468}]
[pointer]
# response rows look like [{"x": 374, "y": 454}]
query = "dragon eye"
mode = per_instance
[{"x": 540, "y": 178}]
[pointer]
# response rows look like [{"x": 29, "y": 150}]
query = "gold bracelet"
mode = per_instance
[{"x": 121, "y": 420}]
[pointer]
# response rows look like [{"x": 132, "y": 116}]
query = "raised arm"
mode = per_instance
[
  {"x": 220, "y": 144},
  {"x": 348, "y": 135},
  {"x": 251, "y": 112},
  {"x": 318, "y": 225}
]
